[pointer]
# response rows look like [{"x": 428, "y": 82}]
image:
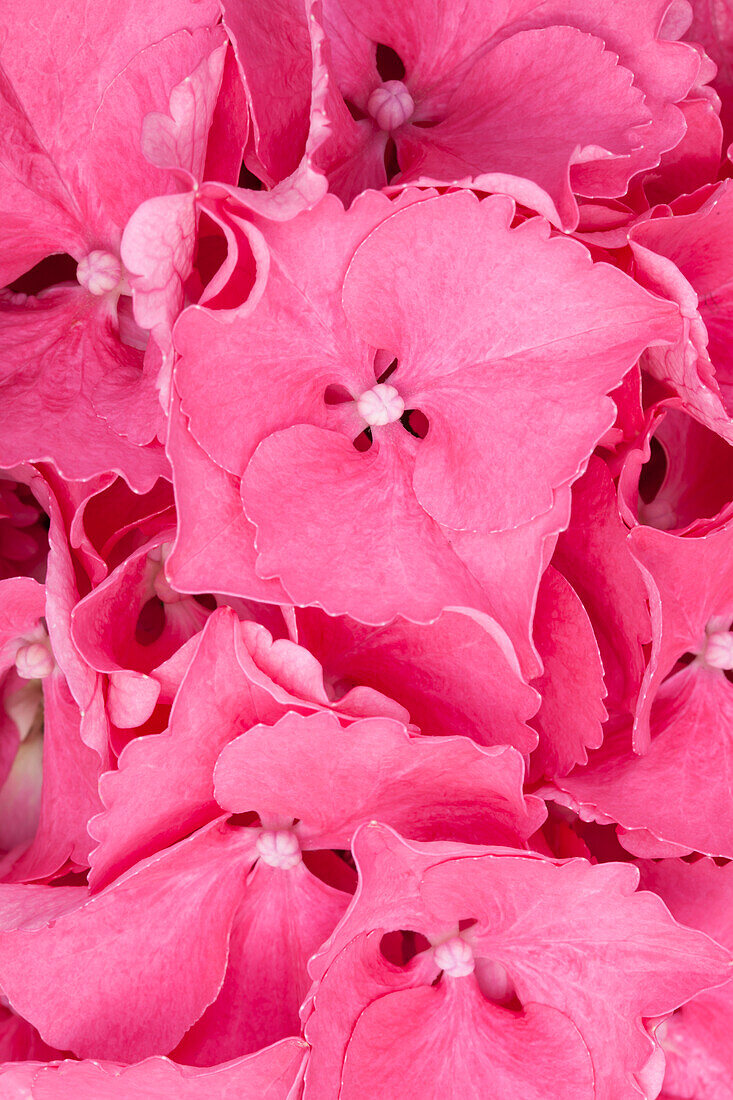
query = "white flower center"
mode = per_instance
[
  {"x": 34, "y": 661},
  {"x": 455, "y": 957},
  {"x": 279, "y": 848},
  {"x": 100, "y": 272},
  {"x": 380, "y": 405},
  {"x": 718, "y": 651},
  {"x": 391, "y": 105}
]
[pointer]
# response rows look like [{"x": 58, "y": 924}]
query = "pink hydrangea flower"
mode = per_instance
[
  {"x": 485, "y": 981},
  {"x": 74, "y": 128},
  {"x": 446, "y": 97},
  {"x": 459, "y": 371},
  {"x": 674, "y": 795},
  {"x": 686, "y": 257}
]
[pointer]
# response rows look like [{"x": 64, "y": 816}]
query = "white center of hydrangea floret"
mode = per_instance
[
  {"x": 391, "y": 105},
  {"x": 380, "y": 405},
  {"x": 279, "y": 848},
  {"x": 455, "y": 957},
  {"x": 34, "y": 661},
  {"x": 100, "y": 272},
  {"x": 718, "y": 651}
]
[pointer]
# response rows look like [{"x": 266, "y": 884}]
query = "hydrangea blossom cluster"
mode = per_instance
[{"x": 366, "y": 550}]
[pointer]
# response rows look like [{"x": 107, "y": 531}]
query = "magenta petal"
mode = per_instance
[
  {"x": 169, "y": 919},
  {"x": 267, "y": 1075},
  {"x": 283, "y": 919},
  {"x": 428, "y": 788},
  {"x": 507, "y": 342},
  {"x": 306, "y": 480}
]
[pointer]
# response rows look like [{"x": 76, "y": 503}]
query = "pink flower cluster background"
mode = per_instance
[{"x": 366, "y": 550}]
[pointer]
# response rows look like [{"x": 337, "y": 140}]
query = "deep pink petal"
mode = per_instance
[
  {"x": 627, "y": 959},
  {"x": 712, "y": 25},
  {"x": 168, "y": 919},
  {"x": 681, "y": 604},
  {"x": 214, "y": 549},
  {"x": 69, "y": 791},
  {"x": 679, "y": 790},
  {"x": 570, "y": 101},
  {"x": 687, "y": 258},
  {"x": 267, "y": 1075},
  {"x": 398, "y": 562},
  {"x": 428, "y": 788},
  {"x": 481, "y": 696},
  {"x": 296, "y": 337},
  {"x": 487, "y": 320},
  {"x": 273, "y": 38},
  {"x": 67, "y": 341},
  {"x": 594, "y": 555},
  {"x": 39, "y": 215},
  {"x": 425, "y": 1043},
  {"x": 509, "y": 565},
  {"x": 283, "y": 919},
  {"x": 164, "y": 787},
  {"x": 570, "y": 718}
]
